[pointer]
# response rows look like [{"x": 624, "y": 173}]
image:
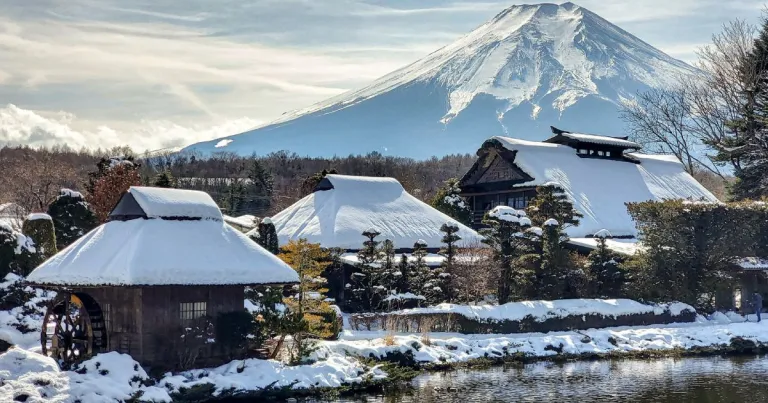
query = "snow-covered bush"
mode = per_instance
[
  {"x": 72, "y": 217},
  {"x": 17, "y": 252},
  {"x": 22, "y": 309},
  {"x": 449, "y": 201}
]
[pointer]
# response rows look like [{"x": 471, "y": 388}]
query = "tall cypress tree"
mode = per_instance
[
  {"x": 748, "y": 142},
  {"x": 267, "y": 236},
  {"x": 607, "y": 276},
  {"x": 369, "y": 276},
  {"x": 504, "y": 237},
  {"x": 448, "y": 251}
]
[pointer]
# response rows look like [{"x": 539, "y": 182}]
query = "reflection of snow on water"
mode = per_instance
[{"x": 689, "y": 380}]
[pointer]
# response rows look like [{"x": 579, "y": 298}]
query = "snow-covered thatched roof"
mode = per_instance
[
  {"x": 599, "y": 188},
  {"x": 243, "y": 222},
  {"x": 179, "y": 241},
  {"x": 350, "y": 205}
]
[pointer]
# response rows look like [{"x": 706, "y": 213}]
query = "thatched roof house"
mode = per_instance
[
  {"x": 599, "y": 174},
  {"x": 342, "y": 207},
  {"x": 164, "y": 262}
]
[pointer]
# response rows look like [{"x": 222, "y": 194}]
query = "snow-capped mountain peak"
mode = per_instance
[{"x": 525, "y": 68}]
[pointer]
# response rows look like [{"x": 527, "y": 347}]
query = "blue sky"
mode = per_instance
[{"x": 154, "y": 74}]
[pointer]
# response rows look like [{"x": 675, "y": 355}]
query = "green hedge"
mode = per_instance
[{"x": 690, "y": 248}]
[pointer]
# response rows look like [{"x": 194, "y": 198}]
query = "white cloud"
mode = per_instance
[
  {"x": 25, "y": 127},
  {"x": 126, "y": 69}
]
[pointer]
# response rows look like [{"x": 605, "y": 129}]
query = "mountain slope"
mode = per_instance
[{"x": 529, "y": 67}]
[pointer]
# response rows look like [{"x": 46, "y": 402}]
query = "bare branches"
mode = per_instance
[{"x": 699, "y": 110}]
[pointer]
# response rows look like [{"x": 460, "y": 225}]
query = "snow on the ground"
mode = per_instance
[
  {"x": 252, "y": 374},
  {"x": 13, "y": 320},
  {"x": 110, "y": 377},
  {"x": 454, "y": 347},
  {"x": 115, "y": 377},
  {"x": 543, "y": 310}
]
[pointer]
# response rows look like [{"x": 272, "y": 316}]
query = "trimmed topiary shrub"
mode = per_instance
[{"x": 39, "y": 227}]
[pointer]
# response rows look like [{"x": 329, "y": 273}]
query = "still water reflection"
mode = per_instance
[{"x": 700, "y": 380}]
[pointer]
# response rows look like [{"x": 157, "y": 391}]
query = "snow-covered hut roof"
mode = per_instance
[
  {"x": 562, "y": 136},
  {"x": 337, "y": 217},
  {"x": 599, "y": 188},
  {"x": 623, "y": 246},
  {"x": 166, "y": 203},
  {"x": 753, "y": 263},
  {"x": 179, "y": 241},
  {"x": 243, "y": 222}
]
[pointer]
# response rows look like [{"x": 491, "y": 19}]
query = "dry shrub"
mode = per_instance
[
  {"x": 474, "y": 274},
  {"x": 426, "y": 323},
  {"x": 389, "y": 339}
]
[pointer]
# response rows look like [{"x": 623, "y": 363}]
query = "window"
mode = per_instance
[
  {"x": 607, "y": 153},
  {"x": 583, "y": 151},
  {"x": 192, "y": 310},
  {"x": 601, "y": 153}
]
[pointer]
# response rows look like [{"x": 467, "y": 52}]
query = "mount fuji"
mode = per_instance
[{"x": 530, "y": 67}]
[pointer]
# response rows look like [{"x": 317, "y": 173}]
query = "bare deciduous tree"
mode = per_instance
[
  {"x": 698, "y": 110},
  {"x": 32, "y": 179},
  {"x": 473, "y": 273}
]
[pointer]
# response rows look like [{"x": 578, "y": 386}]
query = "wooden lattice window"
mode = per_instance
[{"x": 192, "y": 310}]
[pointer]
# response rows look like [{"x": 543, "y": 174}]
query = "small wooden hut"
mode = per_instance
[{"x": 164, "y": 265}]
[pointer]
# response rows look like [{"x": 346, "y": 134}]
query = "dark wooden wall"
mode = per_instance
[
  {"x": 162, "y": 314},
  {"x": 145, "y": 322},
  {"x": 121, "y": 309}
]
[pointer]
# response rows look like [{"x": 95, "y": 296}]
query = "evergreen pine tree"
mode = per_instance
[
  {"x": 604, "y": 269},
  {"x": 164, "y": 180},
  {"x": 259, "y": 188},
  {"x": 72, "y": 217},
  {"x": 505, "y": 237},
  {"x": 389, "y": 266},
  {"x": 422, "y": 278},
  {"x": 312, "y": 314},
  {"x": 403, "y": 281},
  {"x": 369, "y": 277},
  {"x": 746, "y": 145},
  {"x": 551, "y": 203},
  {"x": 449, "y": 201},
  {"x": 234, "y": 197},
  {"x": 448, "y": 251},
  {"x": 266, "y": 236}
]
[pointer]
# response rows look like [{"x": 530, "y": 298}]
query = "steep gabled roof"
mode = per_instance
[
  {"x": 151, "y": 202},
  {"x": 599, "y": 188},
  {"x": 337, "y": 217},
  {"x": 187, "y": 246},
  {"x": 573, "y": 139}
]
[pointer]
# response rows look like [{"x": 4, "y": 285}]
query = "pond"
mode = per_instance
[{"x": 685, "y": 380}]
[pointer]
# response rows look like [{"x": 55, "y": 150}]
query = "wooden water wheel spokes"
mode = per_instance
[{"x": 67, "y": 334}]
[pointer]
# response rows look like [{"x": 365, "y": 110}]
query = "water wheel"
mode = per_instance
[{"x": 73, "y": 329}]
